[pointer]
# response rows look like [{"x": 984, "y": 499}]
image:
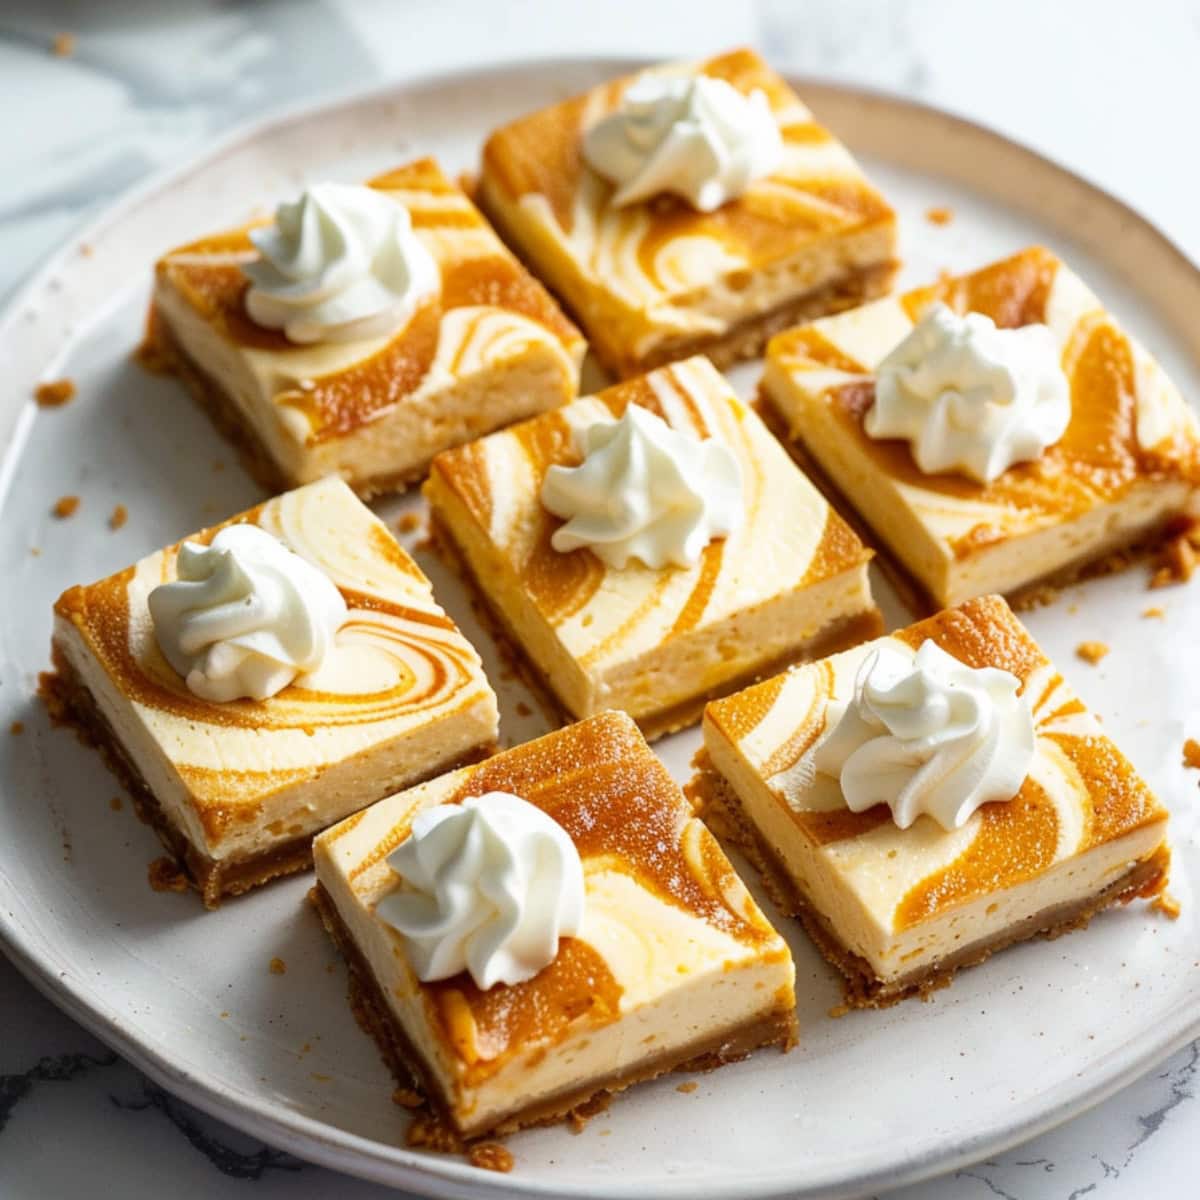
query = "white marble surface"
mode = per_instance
[{"x": 1109, "y": 88}]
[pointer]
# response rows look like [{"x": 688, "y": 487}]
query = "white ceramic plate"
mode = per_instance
[{"x": 868, "y": 1101}]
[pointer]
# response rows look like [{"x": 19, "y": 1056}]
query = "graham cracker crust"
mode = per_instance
[
  {"x": 841, "y": 635},
  {"x": 69, "y": 702},
  {"x": 713, "y": 796},
  {"x": 161, "y": 353},
  {"x": 440, "y": 1130},
  {"x": 910, "y": 590}
]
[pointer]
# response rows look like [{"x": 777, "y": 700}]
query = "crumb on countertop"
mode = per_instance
[
  {"x": 277, "y": 966},
  {"x": 65, "y": 506},
  {"x": 119, "y": 516},
  {"x": 63, "y": 45},
  {"x": 491, "y": 1156},
  {"x": 165, "y": 876},
  {"x": 1191, "y": 753},
  {"x": 54, "y": 393},
  {"x": 939, "y": 215},
  {"x": 1091, "y": 652}
]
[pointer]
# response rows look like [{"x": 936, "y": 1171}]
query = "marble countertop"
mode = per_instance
[{"x": 1101, "y": 85}]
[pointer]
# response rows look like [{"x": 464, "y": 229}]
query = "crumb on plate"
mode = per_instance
[
  {"x": 1091, "y": 652},
  {"x": 1191, "y": 753},
  {"x": 491, "y": 1156},
  {"x": 119, "y": 516},
  {"x": 54, "y": 393},
  {"x": 65, "y": 506},
  {"x": 165, "y": 876},
  {"x": 277, "y": 966},
  {"x": 939, "y": 215},
  {"x": 63, "y": 45}
]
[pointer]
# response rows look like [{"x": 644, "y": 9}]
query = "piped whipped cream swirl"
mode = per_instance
[
  {"x": 340, "y": 263},
  {"x": 696, "y": 136},
  {"x": 245, "y": 616},
  {"x": 491, "y": 885},
  {"x": 926, "y": 734},
  {"x": 969, "y": 397},
  {"x": 645, "y": 491}
]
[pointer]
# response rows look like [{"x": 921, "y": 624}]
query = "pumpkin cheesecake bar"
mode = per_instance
[
  {"x": 651, "y": 546},
  {"x": 643, "y": 952},
  {"x": 694, "y": 207},
  {"x": 926, "y": 799},
  {"x": 265, "y": 678},
  {"x": 363, "y": 331},
  {"x": 992, "y": 432}
]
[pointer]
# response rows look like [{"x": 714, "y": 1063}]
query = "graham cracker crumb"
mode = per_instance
[
  {"x": 491, "y": 1156},
  {"x": 581, "y": 1114},
  {"x": 65, "y": 506},
  {"x": 409, "y": 522},
  {"x": 17, "y": 728},
  {"x": 1091, "y": 652},
  {"x": 55, "y": 393},
  {"x": 63, "y": 45},
  {"x": 1177, "y": 560},
  {"x": 407, "y": 1098},
  {"x": 1154, "y": 613},
  {"x": 116, "y": 804},
  {"x": 838, "y": 1011},
  {"x": 1191, "y": 754},
  {"x": 277, "y": 966},
  {"x": 427, "y": 1132},
  {"x": 85, "y": 248},
  {"x": 1166, "y": 904},
  {"x": 688, "y": 1087},
  {"x": 523, "y": 709},
  {"x": 939, "y": 215},
  {"x": 165, "y": 876},
  {"x": 119, "y": 516}
]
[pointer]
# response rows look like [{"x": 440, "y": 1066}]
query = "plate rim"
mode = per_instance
[{"x": 397, "y": 1166}]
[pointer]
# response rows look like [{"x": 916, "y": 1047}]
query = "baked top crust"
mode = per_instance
[
  {"x": 488, "y": 309},
  {"x": 406, "y": 667},
  {"x": 663, "y": 902},
  {"x": 1129, "y": 424},
  {"x": 1081, "y": 791},
  {"x": 790, "y": 538}
]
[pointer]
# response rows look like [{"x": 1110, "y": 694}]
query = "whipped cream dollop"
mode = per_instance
[
  {"x": 696, "y": 136},
  {"x": 492, "y": 884},
  {"x": 926, "y": 734},
  {"x": 969, "y": 397},
  {"x": 341, "y": 262},
  {"x": 245, "y": 616},
  {"x": 645, "y": 491}
]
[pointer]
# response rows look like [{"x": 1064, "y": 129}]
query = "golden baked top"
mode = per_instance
[
  {"x": 399, "y": 663},
  {"x": 1081, "y": 791},
  {"x": 661, "y": 895},
  {"x": 1128, "y": 421},
  {"x": 790, "y": 537},
  {"x": 817, "y": 190},
  {"x": 487, "y": 302}
]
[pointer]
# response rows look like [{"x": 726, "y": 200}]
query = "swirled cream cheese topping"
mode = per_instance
[
  {"x": 342, "y": 262},
  {"x": 969, "y": 397},
  {"x": 491, "y": 885},
  {"x": 246, "y": 615},
  {"x": 926, "y": 734},
  {"x": 696, "y": 136},
  {"x": 645, "y": 491}
]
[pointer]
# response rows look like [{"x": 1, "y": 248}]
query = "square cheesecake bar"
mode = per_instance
[
  {"x": 791, "y": 582},
  {"x": 658, "y": 280},
  {"x": 487, "y": 347},
  {"x": 673, "y": 963},
  {"x": 898, "y": 910},
  {"x": 236, "y": 790},
  {"x": 1125, "y": 472}
]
